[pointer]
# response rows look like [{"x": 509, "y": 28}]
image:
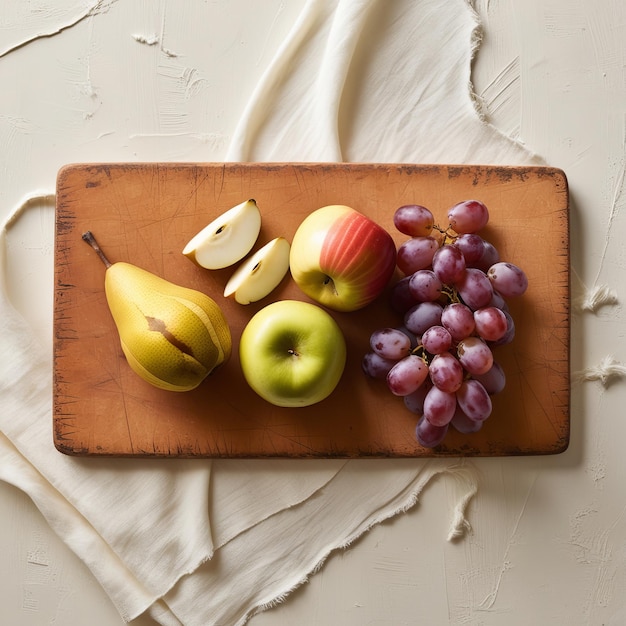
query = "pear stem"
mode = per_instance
[{"x": 91, "y": 240}]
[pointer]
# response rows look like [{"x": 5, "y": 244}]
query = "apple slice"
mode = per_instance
[
  {"x": 261, "y": 273},
  {"x": 227, "y": 239}
]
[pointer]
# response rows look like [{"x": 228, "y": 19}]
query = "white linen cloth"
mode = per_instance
[{"x": 355, "y": 80}]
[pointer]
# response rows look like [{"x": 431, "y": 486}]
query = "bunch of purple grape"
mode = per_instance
[{"x": 453, "y": 301}]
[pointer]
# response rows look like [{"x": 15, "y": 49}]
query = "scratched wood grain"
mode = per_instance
[{"x": 145, "y": 213}]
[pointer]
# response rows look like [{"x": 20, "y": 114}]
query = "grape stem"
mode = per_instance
[
  {"x": 451, "y": 293},
  {"x": 420, "y": 351},
  {"x": 449, "y": 234}
]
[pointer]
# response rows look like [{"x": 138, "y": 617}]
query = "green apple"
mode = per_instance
[
  {"x": 227, "y": 239},
  {"x": 341, "y": 258},
  {"x": 292, "y": 353}
]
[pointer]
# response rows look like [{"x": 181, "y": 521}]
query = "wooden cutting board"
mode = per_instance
[{"x": 145, "y": 214}]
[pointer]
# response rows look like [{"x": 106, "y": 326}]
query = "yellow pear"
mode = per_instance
[{"x": 172, "y": 336}]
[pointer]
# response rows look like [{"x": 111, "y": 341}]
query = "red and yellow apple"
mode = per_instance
[{"x": 341, "y": 258}]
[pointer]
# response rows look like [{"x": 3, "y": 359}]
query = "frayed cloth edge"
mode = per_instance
[
  {"x": 459, "y": 526},
  {"x": 608, "y": 370}
]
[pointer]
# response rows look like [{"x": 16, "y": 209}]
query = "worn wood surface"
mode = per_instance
[{"x": 145, "y": 213}]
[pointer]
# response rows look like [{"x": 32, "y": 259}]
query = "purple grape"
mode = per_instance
[
  {"x": 424, "y": 286},
  {"x": 407, "y": 375},
  {"x": 489, "y": 256},
  {"x": 475, "y": 355},
  {"x": 491, "y": 323},
  {"x": 428, "y": 435},
  {"x": 416, "y": 254},
  {"x": 498, "y": 301},
  {"x": 439, "y": 406},
  {"x": 474, "y": 400},
  {"x": 508, "y": 279},
  {"x": 464, "y": 424},
  {"x": 437, "y": 339},
  {"x": 449, "y": 264},
  {"x": 376, "y": 366},
  {"x": 414, "y": 220},
  {"x": 509, "y": 335},
  {"x": 446, "y": 372},
  {"x": 471, "y": 245},
  {"x": 414, "y": 402},
  {"x": 419, "y": 318},
  {"x": 458, "y": 320},
  {"x": 415, "y": 341},
  {"x": 468, "y": 216},
  {"x": 390, "y": 343},
  {"x": 493, "y": 380},
  {"x": 401, "y": 298},
  {"x": 475, "y": 288}
]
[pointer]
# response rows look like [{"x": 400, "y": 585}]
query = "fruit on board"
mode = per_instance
[
  {"x": 292, "y": 353},
  {"x": 468, "y": 216},
  {"x": 453, "y": 299},
  {"x": 172, "y": 336},
  {"x": 341, "y": 259},
  {"x": 261, "y": 273},
  {"x": 227, "y": 239},
  {"x": 414, "y": 220}
]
